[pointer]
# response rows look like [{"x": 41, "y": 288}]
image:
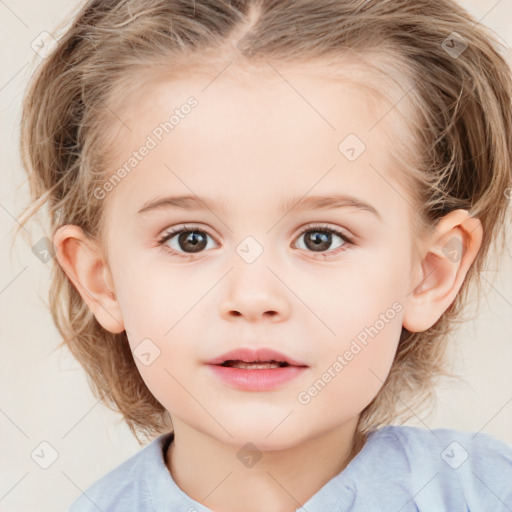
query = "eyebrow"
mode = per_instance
[{"x": 306, "y": 203}]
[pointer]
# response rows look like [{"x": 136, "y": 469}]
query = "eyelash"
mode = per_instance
[{"x": 168, "y": 235}]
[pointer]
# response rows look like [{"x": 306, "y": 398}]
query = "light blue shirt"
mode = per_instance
[{"x": 399, "y": 469}]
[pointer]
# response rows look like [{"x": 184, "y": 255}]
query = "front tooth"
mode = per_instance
[{"x": 255, "y": 366}]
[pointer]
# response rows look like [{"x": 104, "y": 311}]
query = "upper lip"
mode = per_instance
[{"x": 250, "y": 355}]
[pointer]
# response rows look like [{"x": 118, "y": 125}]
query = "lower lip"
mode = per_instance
[{"x": 264, "y": 379}]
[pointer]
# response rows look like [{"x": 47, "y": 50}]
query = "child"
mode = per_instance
[{"x": 341, "y": 169}]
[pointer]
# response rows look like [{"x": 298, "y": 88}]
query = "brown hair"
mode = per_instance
[{"x": 448, "y": 68}]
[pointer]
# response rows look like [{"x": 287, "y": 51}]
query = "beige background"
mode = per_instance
[{"x": 44, "y": 395}]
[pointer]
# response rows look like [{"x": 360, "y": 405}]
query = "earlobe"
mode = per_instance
[
  {"x": 82, "y": 260},
  {"x": 449, "y": 255}
]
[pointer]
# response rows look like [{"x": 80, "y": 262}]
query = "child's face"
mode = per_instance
[{"x": 252, "y": 149}]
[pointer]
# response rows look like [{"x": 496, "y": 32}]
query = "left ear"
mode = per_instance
[{"x": 449, "y": 254}]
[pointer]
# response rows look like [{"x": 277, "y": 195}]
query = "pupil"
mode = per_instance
[
  {"x": 196, "y": 240},
  {"x": 320, "y": 240}
]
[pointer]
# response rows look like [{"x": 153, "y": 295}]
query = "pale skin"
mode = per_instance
[{"x": 251, "y": 149}]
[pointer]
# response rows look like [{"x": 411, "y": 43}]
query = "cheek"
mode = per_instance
[
  {"x": 357, "y": 295},
  {"x": 352, "y": 371},
  {"x": 152, "y": 297},
  {"x": 157, "y": 305},
  {"x": 363, "y": 360},
  {"x": 364, "y": 310}
]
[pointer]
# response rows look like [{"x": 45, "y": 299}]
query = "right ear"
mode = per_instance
[{"x": 81, "y": 258}]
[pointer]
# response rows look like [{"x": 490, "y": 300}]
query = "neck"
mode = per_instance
[{"x": 211, "y": 473}]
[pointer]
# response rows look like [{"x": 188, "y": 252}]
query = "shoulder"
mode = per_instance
[
  {"x": 472, "y": 466},
  {"x": 126, "y": 486}
]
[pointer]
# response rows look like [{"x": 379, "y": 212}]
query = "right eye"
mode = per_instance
[{"x": 191, "y": 240}]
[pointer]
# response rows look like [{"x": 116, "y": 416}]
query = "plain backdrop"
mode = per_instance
[{"x": 44, "y": 394}]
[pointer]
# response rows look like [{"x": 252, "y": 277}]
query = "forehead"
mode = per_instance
[{"x": 262, "y": 136}]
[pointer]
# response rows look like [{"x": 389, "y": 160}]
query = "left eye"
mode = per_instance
[
  {"x": 190, "y": 240},
  {"x": 319, "y": 238}
]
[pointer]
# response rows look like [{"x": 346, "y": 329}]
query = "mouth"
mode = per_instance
[
  {"x": 256, "y": 365},
  {"x": 256, "y": 370},
  {"x": 254, "y": 359},
  {"x": 256, "y": 376}
]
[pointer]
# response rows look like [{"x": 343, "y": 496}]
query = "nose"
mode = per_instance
[{"x": 255, "y": 292}]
